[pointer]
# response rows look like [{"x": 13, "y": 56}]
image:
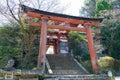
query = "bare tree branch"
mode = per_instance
[{"x": 11, "y": 12}]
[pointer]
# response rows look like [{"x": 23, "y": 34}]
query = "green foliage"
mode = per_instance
[
  {"x": 18, "y": 44},
  {"x": 87, "y": 64},
  {"x": 85, "y": 57},
  {"x": 14, "y": 44},
  {"x": 2, "y": 75},
  {"x": 95, "y": 7},
  {"x": 109, "y": 63},
  {"x": 9, "y": 35},
  {"x": 8, "y": 51},
  {"x": 110, "y": 30},
  {"x": 76, "y": 37},
  {"x": 105, "y": 64},
  {"x": 111, "y": 35},
  {"x": 9, "y": 44},
  {"x": 102, "y": 5},
  {"x": 76, "y": 43}
]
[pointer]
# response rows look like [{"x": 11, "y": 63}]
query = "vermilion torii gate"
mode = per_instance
[{"x": 62, "y": 22}]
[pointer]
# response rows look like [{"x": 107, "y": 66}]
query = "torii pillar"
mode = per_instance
[
  {"x": 42, "y": 47},
  {"x": 91, "y": 47}
]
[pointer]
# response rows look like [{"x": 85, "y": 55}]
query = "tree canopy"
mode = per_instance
[
  {"x": 10, "y": 44},
  {"x": 101, "y": 5},
  {"x": 78, "y": 44}
]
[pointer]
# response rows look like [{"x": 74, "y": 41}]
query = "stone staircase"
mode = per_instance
[
  {"x": 66, "y": 68},
  {"x": 64, "y": 65}
]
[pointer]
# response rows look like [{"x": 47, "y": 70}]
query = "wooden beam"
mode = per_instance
[
  {"x": 57, "y": 35},
  {"x": 35, "y": 15},
  {"x": 63, "y": 28},
  {"x": 61, "y": 19}
]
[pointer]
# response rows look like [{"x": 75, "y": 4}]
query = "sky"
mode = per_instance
[{"x": 73, "y": 6}]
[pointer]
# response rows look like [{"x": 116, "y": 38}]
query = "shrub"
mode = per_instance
[
  {"x": 87, "y": 65},
  {"x": 109, "y": 63},
  {"x": 105, "y": 64},
  {"x": 86, "y": 56}
]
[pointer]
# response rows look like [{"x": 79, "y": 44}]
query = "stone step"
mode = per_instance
[
  {"x": 30, "y": 79},
  {"x": 61, "y": 64},
  {"x": 66, "y": 72},
  {"x": 76, "y": 77}
]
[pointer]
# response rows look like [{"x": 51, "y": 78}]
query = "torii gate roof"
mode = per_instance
[{"x": 60, "y": 17}]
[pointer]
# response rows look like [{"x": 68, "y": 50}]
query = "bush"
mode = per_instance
[
  {"x": 109, "y": 63},
  {"x": 77, "y": 43},
  {"x": 88, "y": 66},
  {"x": 105, "y": 64},
  {"x": 86, "y": 57}
]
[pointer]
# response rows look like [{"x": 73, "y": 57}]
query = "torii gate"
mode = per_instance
[{"x": 70, "y": 24}]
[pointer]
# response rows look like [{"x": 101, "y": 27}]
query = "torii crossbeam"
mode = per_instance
[{"x": 62, "y": 22}]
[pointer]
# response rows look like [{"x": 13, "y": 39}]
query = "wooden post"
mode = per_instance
[
  {"x": 42, "y": 47},
  {"x": 58, "y": 45},
  {"x": 55, "y": 48},
  {"x": 91, "y": 48}
]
